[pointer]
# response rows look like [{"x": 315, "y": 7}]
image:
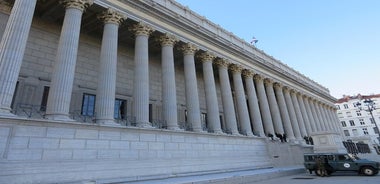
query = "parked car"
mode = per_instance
[{"x": 340, "y": 162}]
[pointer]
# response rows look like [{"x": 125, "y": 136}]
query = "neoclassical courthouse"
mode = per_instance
[{"x": 136, "y": 89}]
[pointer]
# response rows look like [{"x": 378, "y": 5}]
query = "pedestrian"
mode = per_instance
[{"x": 321, "y": 169}]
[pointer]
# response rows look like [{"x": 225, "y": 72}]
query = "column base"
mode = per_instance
[
  {"x": 144, "y": 125},
  {"x": 6, "y": 113},
  {"x": 58, "y": 117},
  {"x": 109, "y": 122}
]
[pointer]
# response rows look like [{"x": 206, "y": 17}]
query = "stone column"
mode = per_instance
[
  {"x": 297, "y": 110},
  {"x": 227, "y": 100},
  {"x": 327, "y": 118},
  {"x": 245, "y": 125},
  {"x": 59, "y": 99},
  {"x": 12, "y": 48},
  {"x": 310, "y": 115},
  {"x": 169, "y": 94},
  {"x": 304, "y": 114},
  {"x": 105, "y": 93},
  {"x": 320, "y": 116},
  {"x": 284, "y": 112},
  {"x": 292, "y": 114},
  {"x": 276, "y": 117},
  {"x": 315, "y": 115},
  {"x": 213, "y": 119},
  {"x": 253, "y": 103},
  {"x": 264, "y": 106},
  {"x": 141, "y": 74},
  {"x": 191, "y": 87}
]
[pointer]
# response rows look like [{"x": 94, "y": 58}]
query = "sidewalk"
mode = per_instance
[{"x": 247, "y": 176}]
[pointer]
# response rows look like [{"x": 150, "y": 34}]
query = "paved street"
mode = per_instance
[{"x": 336, "y": 178}]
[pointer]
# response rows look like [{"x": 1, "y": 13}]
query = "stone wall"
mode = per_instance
[{"x": 38, "y": 151}]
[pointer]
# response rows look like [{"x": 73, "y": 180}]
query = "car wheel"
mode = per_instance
[
  {"x": 368, "y": 171},
  {"x": 318, "y": 172}
]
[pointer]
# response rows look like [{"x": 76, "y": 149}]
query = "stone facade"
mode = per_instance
[{"x": 142, "y": 89}]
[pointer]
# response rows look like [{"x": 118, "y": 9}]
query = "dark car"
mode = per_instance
[{"x": 341, "y": 162}]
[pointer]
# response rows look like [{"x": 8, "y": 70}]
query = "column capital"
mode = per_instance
[
  {"x": 207, "y": 56},
  {"x": 111, "y": 16},
  {"x": 268, "y": 81},
  {"x": 258, "y": 77},
  {"x": 278, "y": 85},
  {"x": 189, "y": 48},
  {"x": 221, "y": 62},
  {"x": 77, "y": 4},
  {"x": 235, "y": 68},
  {"x": 248, "y": 73},
  {"x": 287, "y": 89},
  {"x": 141, "y": 29},
  {"x": 167, "y": 39}
]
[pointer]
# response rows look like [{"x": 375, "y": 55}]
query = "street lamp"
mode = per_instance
[{"x": 370, "y": 104}]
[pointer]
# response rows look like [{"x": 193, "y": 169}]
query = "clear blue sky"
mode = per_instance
[{"x": 333, "y": 42}]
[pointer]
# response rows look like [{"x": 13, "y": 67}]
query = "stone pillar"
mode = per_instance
[
  {"x": 334, "y": 121},
  {"x": 297, "y": 110},
  {"x": 253, "y": 104},
  {"x": 292, "y": 114},
  {"x": 227, "y": 100},
  {"x": 304, "y": 114},
  {"x": 276, "y": 117},
  {"x": 320, "y": 116},
  {"x": 59, "y": 99},
  {"x": 245, "y": 125},
  {"x": 141, "y": 74},
  {"x": 315, "y": 115},
  {"x": 310, "y": 115},
  {"x": 264, "y": 106},
  {"x": 169, "y": 94},
  {"x": 284, "y": 112},
  {"x": 213, "y": 119},
  {"x": 105, "y": 93},
  {"x": 12, "y": 48},
  {"x": 191, "y": 87},
  {"x": 327, "y": 117}
]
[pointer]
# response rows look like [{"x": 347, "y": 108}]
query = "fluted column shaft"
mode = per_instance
[
  {"x": 191, "y": 87},
  {"x": 12, "y": 48},
  {"x": 315, "y": 115},
  {"x": 310, "y": 115},
  {"x": 245, "y": 125},
  {"x": 297, "y": 110},
  {"x": 59, "y": 99},
  {"x": 284, "y": 112},
  {"x": 213, "y": 119},
  {"x": 105, "y": 93},
  {"x": 276, "y": 117},
  {"x": 141, "y": 74},
  {"x": 227, "y": 100},
  {"x": 264, "y": 106},
  {"x": 292, "y": 114},
  {"x": 304, "y": 115},
  {"x": 319, "y": 114},
  {"x": 169, "y": 94},
  {"x": 253, "y": 103}
]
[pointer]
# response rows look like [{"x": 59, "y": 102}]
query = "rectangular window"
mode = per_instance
[
  {"x": 365, "y": 131},
  {"x": 352, "y": 123},
  {"x": 355, "y": 132},
  {"x": 376, "y": 130},
  {"x": 348, "y": 114},
  {"x": 358, "y": 113},
  {"x": 88, "y": 105},
  {"x": 346, "y": 133},
  {"x": 361, "y": 121},
  {"x": 120, "y": 109},
  {"x": 44, "y": 98},
  {"x": 372, "y": 120},
  {"x": 343, "y": 124},
  {"x": 345, "y": 106},
  {"x": 150, "y": 112},
  {"x": 337, "y": 107}
]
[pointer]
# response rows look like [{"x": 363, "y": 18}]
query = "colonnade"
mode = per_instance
[{"x": 254, "y": 104}]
